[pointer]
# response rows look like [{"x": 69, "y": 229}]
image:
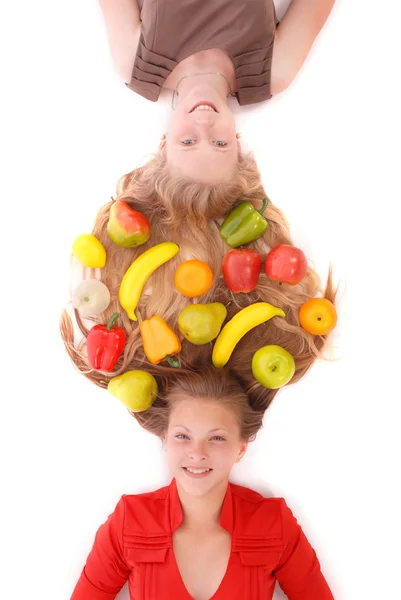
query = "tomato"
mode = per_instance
[
  {"x": 318, "y": 316},
  {"x": 193, "y": 278}
]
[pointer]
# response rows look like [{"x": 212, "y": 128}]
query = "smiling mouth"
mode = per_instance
[{"x": 204, "y": 103}]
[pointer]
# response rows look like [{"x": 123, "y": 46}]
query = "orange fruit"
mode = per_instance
[
  {"x": 318, "y": 316},
  {"x": 193, "y": 278}
]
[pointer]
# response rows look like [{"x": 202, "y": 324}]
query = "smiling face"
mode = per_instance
[
  {"x": 201, "y": 142},
  {"x": 205, "y": 434}
]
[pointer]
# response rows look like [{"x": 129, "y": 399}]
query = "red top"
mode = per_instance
[{"x": 135, "y": 544}]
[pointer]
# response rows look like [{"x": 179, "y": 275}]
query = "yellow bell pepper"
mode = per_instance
[{"x": 160, "y": 342}]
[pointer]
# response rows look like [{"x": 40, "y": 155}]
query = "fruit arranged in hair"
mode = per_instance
[
  {"x": 140, "y": 270},
  {"x": 201, "y": 323},
  {"x": 318, "y": 316},
  {"x": 193, "y": 278},
  {"x": 245, "y": 320},
  {"x": 126, "y": 226},
  {"x": 136, "y": 389},
  {"x": 89, "y": 251},
  {"x": 273, "y": 366},
  {"x": 241, "y": 270},
  {"x": 286, "y": 264}
]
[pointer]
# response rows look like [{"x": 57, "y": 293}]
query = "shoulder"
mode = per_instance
[
  {"x": 246, "y": 494},
  {"x": 258, "y": 509},
  {"x": 146, "y": 498},
  {"x": 279, "y": 79},
  {"x": 147, "y": 507}
]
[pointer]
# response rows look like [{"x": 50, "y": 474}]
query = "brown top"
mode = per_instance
[{"x": 172, "y": 30}]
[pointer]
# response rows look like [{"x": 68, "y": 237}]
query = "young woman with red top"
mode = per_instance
[
  {"x": 205, "y": 51},
  {"x": 203, "y": 537}
]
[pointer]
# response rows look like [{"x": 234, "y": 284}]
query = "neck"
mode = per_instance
[
  {"x": 202, "y": 513},
  {"x": 206, "y": 86},
  {"x": 205, "y": 61}
]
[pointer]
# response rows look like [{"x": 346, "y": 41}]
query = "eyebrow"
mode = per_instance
[{"x": 210, "y": 430}]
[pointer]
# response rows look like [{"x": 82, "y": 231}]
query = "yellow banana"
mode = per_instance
[
  {"x": 245, "y": 320},
  {"x": 136, "y": 275}
]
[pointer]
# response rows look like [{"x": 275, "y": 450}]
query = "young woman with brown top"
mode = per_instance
[{"x": 205, "y": 51}]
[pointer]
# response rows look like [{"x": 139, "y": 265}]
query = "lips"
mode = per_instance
[
  {"x": 206, "y": 103},
  {"x": 201, "y": 475},
  {"x": 191, "y": 467}
]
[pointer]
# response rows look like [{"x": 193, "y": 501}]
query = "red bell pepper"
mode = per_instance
[
  {"x": 105, "y": 342},
  {"x": 241, "y": 270}
]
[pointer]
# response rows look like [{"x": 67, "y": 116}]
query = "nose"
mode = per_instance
[
  {"x": 205, "y": 118},
  {"x": 198, "y": 451}
]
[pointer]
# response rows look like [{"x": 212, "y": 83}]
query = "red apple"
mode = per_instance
[
  {"x": 241, "y": 270},
  {"x": 286, "y": 264}
]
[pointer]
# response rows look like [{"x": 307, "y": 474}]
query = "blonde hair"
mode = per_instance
[{"x": 190, "y": 213}]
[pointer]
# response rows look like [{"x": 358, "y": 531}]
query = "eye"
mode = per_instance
[
  {"x": 216, "y": 436},
  {"x": 219, "y": 143}
]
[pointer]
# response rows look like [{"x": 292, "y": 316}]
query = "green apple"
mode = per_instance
[{"x": 273, "y": 366}]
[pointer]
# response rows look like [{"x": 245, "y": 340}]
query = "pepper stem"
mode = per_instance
[
  {"x": 265, "y": 203},
  {"x": 112, "y": 319},
  {"x": 172, "y": 362}
]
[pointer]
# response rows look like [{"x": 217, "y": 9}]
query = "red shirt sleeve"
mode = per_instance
[
  {"x": 105, "y": 571},
  {"x": 298, "y": 571}
]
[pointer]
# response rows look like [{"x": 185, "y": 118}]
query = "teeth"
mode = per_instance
[
  {"x": 197, "y": 471},
  {"x": 204, "y": 107}
]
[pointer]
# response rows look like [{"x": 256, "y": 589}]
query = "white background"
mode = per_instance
[{"x": 328, "y": 148}]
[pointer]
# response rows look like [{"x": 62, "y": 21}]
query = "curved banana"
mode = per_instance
[
  {"x": 136, "y": 275},
  {"x": 245, "y": 320}
]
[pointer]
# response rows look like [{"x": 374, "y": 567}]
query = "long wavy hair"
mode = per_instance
[{"x": 190, "y": 213}]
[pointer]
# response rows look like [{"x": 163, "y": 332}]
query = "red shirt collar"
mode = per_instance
[{"x": 176, "y": 514}]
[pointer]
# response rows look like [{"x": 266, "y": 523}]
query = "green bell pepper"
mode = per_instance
[{"x": 244, "y": 224}]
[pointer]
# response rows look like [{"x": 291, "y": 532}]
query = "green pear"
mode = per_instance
[
  {"x": 201, "y": 323},
  {"x": 137, "y": 389}
]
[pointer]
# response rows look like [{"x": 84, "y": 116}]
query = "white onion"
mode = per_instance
[{"x": 91, "y": 297}]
